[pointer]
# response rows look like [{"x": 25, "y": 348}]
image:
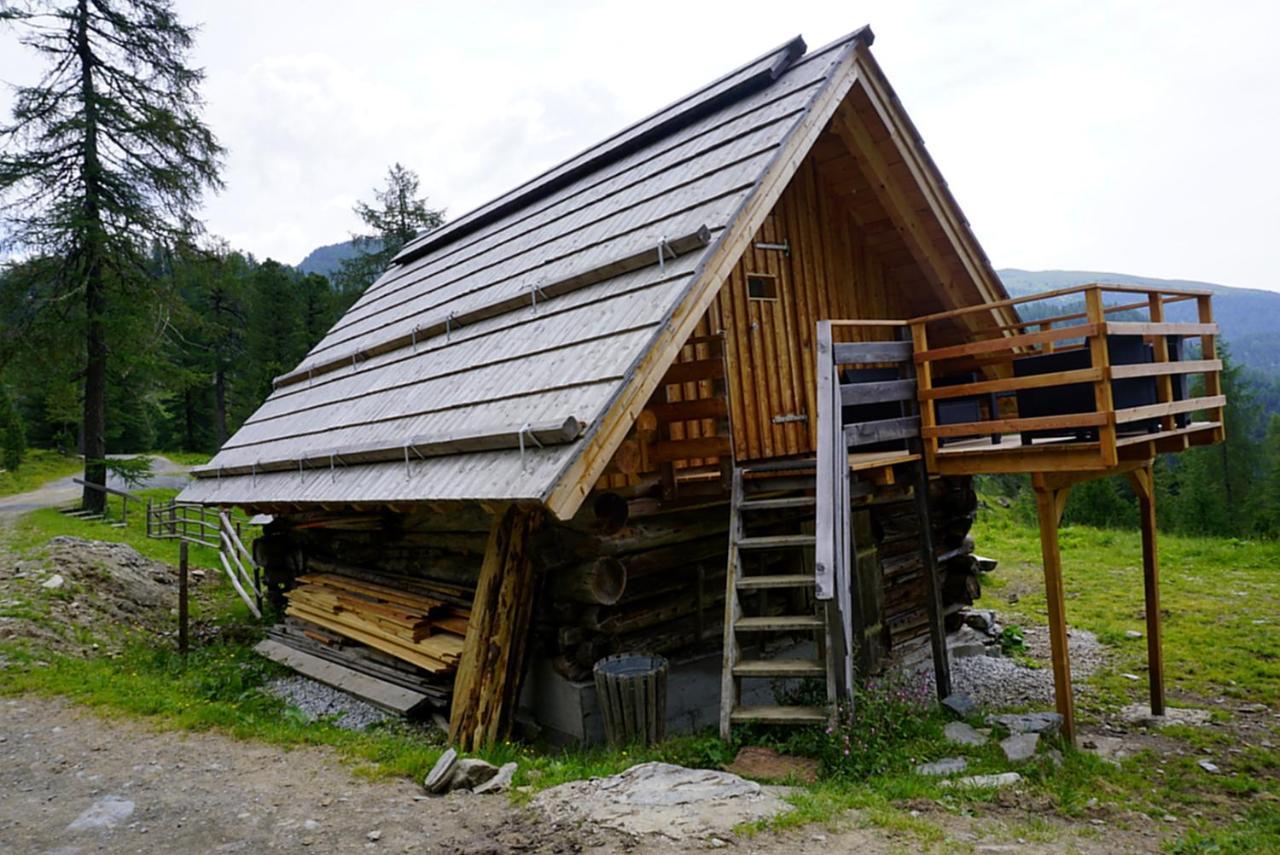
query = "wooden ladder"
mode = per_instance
[{"x": 790, "y": 495}]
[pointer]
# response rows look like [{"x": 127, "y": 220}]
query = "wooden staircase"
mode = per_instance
[{"x": 771, "y": 496}]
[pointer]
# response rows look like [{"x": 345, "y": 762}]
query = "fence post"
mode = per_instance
[{"x": 182, "y": 597}]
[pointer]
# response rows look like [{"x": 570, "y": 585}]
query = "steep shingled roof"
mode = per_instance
[{"x": 501, "y": 356}]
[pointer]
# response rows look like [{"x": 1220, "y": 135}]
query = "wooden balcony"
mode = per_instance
[{"x": 1097, "y": 390}]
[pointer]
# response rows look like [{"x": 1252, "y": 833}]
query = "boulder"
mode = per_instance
[
  {"x": 960, "y": 704},
  {"x": 471, "y": 772},
  {"x": 1039, "y": 722},
  {"x": 961, "y": 733},
  {"x": 499, "y": 783},
  {"x": 438, "y": 778},
  {"x": 945, "y": 766},
  {"x": 1020, "y": 747}
]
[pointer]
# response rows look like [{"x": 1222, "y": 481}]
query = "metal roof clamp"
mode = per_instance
[
  {"x": 663, "y": 249},
  {"x": 407, "y": 447},
  {"x": 526, "y": 428},
  {"x": 253, "y": 473},
  {"x": 534, "y": 290},
  {"x": 300, "y": 476},
  {"x": 333, "y": 476},
  {"x": 449, "y": 320},
  {"x": 311, "y": 375},
  {"x": 413, "y": 339}
]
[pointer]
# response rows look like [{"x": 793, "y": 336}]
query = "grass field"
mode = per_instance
[
  {"x": 1221, "y": 599},
  {"x": 38, "y": 468}
]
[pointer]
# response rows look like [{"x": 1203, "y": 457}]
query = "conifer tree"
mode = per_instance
[
  {"x": 105, "y": 155},
  {"x": 396, "y": 216}
]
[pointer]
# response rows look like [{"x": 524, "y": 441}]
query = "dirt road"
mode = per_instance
[
  {"x": 64, "y": 491},
  {"x": 72, "y": 782}
]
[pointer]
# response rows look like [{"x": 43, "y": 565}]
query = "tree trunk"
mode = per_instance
[
  {"x": 219, "y": 379},
  {"x": 95, "y": 298}
]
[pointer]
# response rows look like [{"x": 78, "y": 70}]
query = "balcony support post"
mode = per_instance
[
  {"x": 1050, "y": 501},
  {"x": 1144, "y": 485}
]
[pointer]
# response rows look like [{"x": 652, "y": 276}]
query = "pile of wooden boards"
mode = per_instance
[{"x": 420, "y": 629}]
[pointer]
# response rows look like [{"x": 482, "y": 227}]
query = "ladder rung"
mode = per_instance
[
  {"x": 788, "y": 580},
  {"x": 780, "y": 668},
  {"x": 772, "y": 504},
  {"x": 776, "y": 541},
  {"x": 779, "y": 715},
  {"x": 778, "y": 623}
]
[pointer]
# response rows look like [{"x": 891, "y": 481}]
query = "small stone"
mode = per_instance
[
  {"x": 53, "y": 583},
  {"x": 1012, "y": 599},
  {"x": 500, "y": 782},
  {"x": 1020, "y": 746},
  {"x": 945, "y": 766},
  {"x": 980, "y": 619},
  {"x": 470, "y": 773},
  {"x": 1133, "y": 677},
  {"x": 437, "y": 780},
  {"x": 717, "y": 843},
  {"x": 961, "y": 733},
  {"x": 1168, "y": 817},
  {"x": 1132, "y": 633},
  {"x": 310, "y": 824},
  {"x": 374, "y": 836},
  {"x": 1209, "y": 766},
  {"x": 1004, "y": 779},
  {"x": 1040, "y": 722},
  {"x": 960, "y": 704},
  {"x": 1054, "y": 756},
  {"x": 986, "y": 565}
]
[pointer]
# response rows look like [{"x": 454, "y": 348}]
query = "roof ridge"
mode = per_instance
[{"x": 613, "y": 147}]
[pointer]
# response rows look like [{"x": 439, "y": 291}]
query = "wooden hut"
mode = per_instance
[{"x": 595, "y": 415}]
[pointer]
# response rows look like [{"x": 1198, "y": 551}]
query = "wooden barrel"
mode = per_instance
[{"x": 631, "y": 689}]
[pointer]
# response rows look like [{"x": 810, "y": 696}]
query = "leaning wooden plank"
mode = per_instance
[
  {"x": 487, "y": 685},
  {"x": 235, "y": 583},
  {"x": 387, "y": 696}
]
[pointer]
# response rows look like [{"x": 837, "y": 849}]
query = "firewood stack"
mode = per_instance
[{"x": 425, "y": 631}]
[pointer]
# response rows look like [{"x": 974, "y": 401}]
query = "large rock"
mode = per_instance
[
  {"x": 1004, "y": 779},
  {"x": 1020, "y": 747},
  {"x": 500, "y": 782},
  {"x": 962, "y": 733},
  {"x": 470, "y": 773},
  {"x": 438, "y": 778},
  {"x": 945, "y": 766},
  {"x": 960, "y": 704},
  {"x": 659, "y": 798}
]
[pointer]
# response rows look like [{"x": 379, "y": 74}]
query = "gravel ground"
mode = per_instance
[
  {"x": 316, "y": 700},
  {"x": 1000, "y": 682}
]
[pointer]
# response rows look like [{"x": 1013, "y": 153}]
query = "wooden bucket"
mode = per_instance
[{"x": 631, "y": 689}]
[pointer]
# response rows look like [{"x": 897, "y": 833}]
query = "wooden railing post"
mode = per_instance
[
  {"x": 1212, "y": 379},
  {"x": 828, "y": 415},
  {"x": 1160, "y": 349},
  {"x": 924, "y": 383},
  {"x": 1101, "y": 360}
]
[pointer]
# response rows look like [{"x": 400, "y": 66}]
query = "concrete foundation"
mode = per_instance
[{"x": 567, "y": 712}]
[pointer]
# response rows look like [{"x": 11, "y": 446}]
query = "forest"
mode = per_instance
[{"x": 124, "y": 327}]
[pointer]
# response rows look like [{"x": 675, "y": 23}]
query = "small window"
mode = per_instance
[{"x": 762, "y": 286}]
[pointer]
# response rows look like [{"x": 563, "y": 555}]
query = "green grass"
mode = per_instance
[
  {"x": 1221, "y": 641},
  {"x": 39, "y": 466},
  {"x": 1220, "y": 599}
]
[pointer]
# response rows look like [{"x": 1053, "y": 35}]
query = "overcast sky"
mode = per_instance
[{"x": 1135, "y": 137}]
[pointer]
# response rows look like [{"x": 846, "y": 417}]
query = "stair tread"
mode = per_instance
[
  {"x": 779, "y": 622},
  {"x": 780, "y": 668},
  {"x": 779, "y": 715},
  {"x": 779, "y": 580},
  {"x": 774, "y": 540},
  {"x": 783, "y": 502}
]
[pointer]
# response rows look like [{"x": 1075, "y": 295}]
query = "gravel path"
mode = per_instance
[
  {"x": 64, "y": 491},
  {"x": 316, "y": 700}
]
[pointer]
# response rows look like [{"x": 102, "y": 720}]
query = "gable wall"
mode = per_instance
[{"x": 829, "y": 273}]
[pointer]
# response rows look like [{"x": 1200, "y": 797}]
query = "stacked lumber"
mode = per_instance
[{"x": 426, "y": 631}]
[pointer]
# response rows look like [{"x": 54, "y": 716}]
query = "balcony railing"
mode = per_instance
[{"x": 1081, "y": 390}]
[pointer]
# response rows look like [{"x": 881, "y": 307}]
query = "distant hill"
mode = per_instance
[
  {"x": 326, "y": 260},
  {"x": 1248, "y": 316}
]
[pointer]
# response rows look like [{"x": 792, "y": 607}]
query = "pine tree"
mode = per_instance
[
  {"x": 105, "y": 155},
  {"x": 395, "y": 218}
]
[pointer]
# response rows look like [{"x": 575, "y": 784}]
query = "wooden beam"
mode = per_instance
[
  {"x": 1143, "y": 481},
  {"x": 487, "y": 686},
  {"x": 571, "y": 489},
  {"x": 1047, "y": 504}
]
